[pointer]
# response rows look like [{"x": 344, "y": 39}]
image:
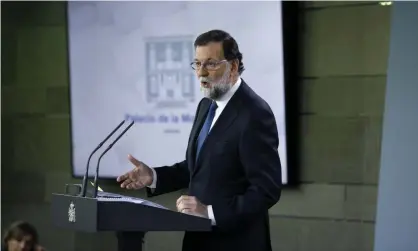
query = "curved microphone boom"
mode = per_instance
[
  {"x": 96, "y": 185},
  {"x": 84, "y": 186}
]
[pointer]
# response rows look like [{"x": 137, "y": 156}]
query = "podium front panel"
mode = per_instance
[
  {"x": 96, "y": 215},
  {"x": 73, "y": 212}
]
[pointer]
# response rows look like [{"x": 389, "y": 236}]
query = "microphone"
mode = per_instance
[
  {"x": 104, "y": 152},
  {"x": 84, "y": 187}
]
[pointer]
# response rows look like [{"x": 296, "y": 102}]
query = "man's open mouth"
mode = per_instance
[{"x": 205, "y": 84}]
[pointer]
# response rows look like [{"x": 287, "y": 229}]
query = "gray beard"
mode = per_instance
[{"x": 217, "y": 91}]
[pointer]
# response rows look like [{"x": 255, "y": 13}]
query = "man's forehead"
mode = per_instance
[{"x": 211, "y": 50}]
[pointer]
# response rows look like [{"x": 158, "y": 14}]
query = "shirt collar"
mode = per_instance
[{"x": 225, "y": 98}]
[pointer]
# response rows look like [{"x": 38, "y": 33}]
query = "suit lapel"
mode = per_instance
[
  {"x": 226, "y": 118},
  {"x": 201, "y": 116}
]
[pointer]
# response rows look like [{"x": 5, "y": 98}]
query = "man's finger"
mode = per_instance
[
  {"x": 186, "y": 211},
  {"x": 179, "y": 200},
  {"x": 134, "y": 161},
  {"x": 137, "y": 185},
  {"x": 183, "y": 198},
  {"x": 189, "y": 205},
  {"x": 184, "y": 204},
  {"x": 182, "y": 207},
  {"x": 125, "y": 183},
  {"x": 122, "y": 177}
]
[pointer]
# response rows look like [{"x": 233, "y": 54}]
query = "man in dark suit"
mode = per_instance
[{"x": 232, "y": 167}]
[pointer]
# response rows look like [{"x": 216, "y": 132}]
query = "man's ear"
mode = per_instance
[
  {"x": 235, "y": 65},
  {"x": 234, "y": 70}
]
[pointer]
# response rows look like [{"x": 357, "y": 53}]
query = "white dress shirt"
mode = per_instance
[{"x": 221, "y": 106}]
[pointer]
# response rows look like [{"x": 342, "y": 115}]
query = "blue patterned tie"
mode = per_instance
[{"x": 206, "y": 127}]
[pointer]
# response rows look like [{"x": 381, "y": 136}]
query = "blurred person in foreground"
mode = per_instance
[
  {"x": 21, "y": 236},
  {"x": 232, "y": 167}
]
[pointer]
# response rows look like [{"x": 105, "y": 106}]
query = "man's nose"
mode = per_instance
[{"x": 202, "y": 72}]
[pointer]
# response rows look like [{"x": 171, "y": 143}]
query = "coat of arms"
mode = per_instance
[
  {"x": 71, "y": 212},
  {"x": 170, "y": 79}
]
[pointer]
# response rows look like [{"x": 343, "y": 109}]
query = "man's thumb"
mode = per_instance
[{"x": 134, "y": 161}]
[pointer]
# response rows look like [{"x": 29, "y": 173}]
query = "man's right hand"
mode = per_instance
[{"x": 139, "y": 177}]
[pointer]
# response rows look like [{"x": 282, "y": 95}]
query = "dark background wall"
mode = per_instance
[{"x": 342, "y": 87}]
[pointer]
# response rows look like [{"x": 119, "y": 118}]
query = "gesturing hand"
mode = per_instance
[
  {"x": 139, "y": 177},
  {"x": 191, "y": 205}
]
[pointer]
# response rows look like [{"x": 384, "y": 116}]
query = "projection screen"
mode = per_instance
[{"x": 131, "y": 60}]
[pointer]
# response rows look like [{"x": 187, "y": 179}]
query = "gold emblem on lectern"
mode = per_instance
[{"x": 71, "y": 212}]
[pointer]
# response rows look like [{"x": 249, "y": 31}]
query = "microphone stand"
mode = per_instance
[
  {"x": 84, "y": 186},
  {"x": 96, "y": 185}
]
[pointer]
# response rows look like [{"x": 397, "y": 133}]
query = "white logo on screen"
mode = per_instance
[{"x": 170, "y": 80}]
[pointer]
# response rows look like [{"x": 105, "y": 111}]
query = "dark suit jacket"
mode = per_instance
[{"x": 238, "y": 172}]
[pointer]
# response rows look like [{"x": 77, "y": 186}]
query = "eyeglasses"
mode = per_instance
[{"x": 208, "y": 65}]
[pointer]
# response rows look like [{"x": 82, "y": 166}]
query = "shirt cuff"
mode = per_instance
[
  {"x": 211, "y": 215},
  {"x": 154, "y": 179}
]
